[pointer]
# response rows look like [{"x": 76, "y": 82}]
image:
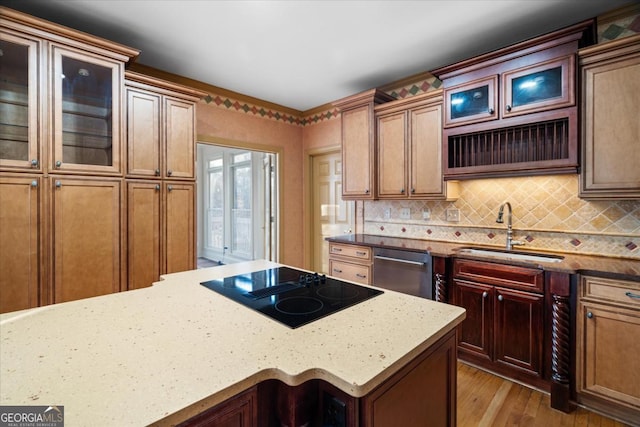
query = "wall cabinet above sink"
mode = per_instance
[{"x": 513, "y": 111}]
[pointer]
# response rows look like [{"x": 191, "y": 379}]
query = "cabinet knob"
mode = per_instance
[
  {"x": 58, "y": 163},
  {"x": 157, "y": 172},
  {"x": 366, "y": 191},
  {"x": 485, "y": 294},
  {"x": 34, "y": 183},
  {"x": 402, "y": 191},
  {"x": 170, "y": 188},
  {"x": 34, "y": 163},
  {"x": 157, "y": 187},
  {"x": 508, "y": 107},
  {"x": 491, "y": 110},
  {"x": 58, "y": 184},
  {"x": 590, "y": 315},
  {"x": 500, "y": 297},
  {"x": 413, "y": 191},
  {"x": 169, "y": 172}
]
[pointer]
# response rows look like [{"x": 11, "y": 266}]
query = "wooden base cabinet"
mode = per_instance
[
  {"x": 422, "y": 393},
  {"x": 351, "y": 262},
  {"x": 504, "y": 327},
  {"x": 20, "y": 245},
  {"x": 608, "y": 345},
  {"x": 86, "y": 232},
  {"x": 160, "y": 230}
]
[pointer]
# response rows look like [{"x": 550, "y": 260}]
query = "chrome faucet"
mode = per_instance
[{"x": 499, "y": 220}]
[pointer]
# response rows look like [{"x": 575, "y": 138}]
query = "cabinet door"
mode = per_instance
[
  {"x": 20, "y": 144},
  {"x": 519, "y": 329},
  {"x": 472, "y": 102},
  {"x": 608, "y": 349},
  {"x": 143, "y": 233},
  {"x": 86, "y": 236},
  {"x": 87, "y": 112},
  {"x": 392, "y": 158},
  {"x": 180, "y": 138},
  {"x": 539, "y": 87},
  {"x": 143, "y": 133},
  {"x": 611, "y": 129},
  {"x": 19, "y": 242},
  {"x": 358, "y": 157},
  {"x": 426, "y": 153},
  {"x": 179, "y": 232},
  {"x": 475, "y": 333},
  {"x": 239, "y": 411}
]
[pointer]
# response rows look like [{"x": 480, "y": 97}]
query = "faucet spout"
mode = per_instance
[{"x": 500, "y": 220}]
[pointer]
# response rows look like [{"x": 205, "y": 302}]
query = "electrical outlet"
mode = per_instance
[
  {"x": 405, "y": 213},
  {"x": 453, "y": 215},
  {"x": 426, "y": 213},
  {"x": 387, "y": 213}
]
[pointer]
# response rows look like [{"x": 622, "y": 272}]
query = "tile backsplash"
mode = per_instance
[{"x": 547, "y": 215}]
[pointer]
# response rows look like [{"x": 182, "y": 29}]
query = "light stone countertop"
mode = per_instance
[{"x": 165, "y": 353}]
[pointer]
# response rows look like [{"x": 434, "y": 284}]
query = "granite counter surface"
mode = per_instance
[
  {"x": 620, "y": 268},
  {"x": 165, "y": 353}
]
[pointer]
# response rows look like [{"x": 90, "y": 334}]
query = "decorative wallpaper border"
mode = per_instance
[{"x": 617, "y": 24}]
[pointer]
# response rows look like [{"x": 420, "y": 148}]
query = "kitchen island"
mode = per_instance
[{"x": 164, "y": 354}]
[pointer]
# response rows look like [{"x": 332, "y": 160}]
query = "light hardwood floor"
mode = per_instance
[{"x": 488, "y": 400}]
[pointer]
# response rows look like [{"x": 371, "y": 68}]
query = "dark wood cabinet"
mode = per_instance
[
  {"x": 239, "y": 411},
  {"x": 504, "y": 330},
  {"x": 513, "y": 111}
]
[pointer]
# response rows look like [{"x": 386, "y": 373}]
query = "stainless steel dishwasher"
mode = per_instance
[{"x": 403, "y": 271}]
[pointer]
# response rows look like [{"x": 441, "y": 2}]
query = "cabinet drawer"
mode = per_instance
[
  {"x": 618, "y": 291},
  {"x": 353, "y": 251},
  {"x": 352, "y": 272},
  {"x": 509, "y": 276}
]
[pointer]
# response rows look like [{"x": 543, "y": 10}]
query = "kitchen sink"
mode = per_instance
[{"x": 511, "y": 255}]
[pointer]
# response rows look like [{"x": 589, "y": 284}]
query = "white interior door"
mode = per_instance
[{"x": 331, "y": 215}]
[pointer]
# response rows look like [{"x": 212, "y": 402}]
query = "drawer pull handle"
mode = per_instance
[
  {"x": 362, "y": 276},
  {"x": 590, "y": 315},
  {"x": 361, "y": 253},
  {"x": 335, "y": 270},
  {"x": 632, "y": 295},
  {"x": 337, "y": 250}
]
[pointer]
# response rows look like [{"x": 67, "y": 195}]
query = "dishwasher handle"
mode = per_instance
[{"x": 406, "y": 261}]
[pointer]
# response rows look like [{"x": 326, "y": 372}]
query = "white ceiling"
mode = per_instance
[{"x": 303, "y": 54}]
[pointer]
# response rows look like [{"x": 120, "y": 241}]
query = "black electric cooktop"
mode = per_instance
[{"x": 291, "y": 296}]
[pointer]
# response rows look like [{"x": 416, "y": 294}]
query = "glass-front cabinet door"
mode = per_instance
[
  {"x": 474, "y": 101},
  {"x": 86, "y": 112},
  {"x": 540, "y": 87},
  {"x": 20, "y": 146}
]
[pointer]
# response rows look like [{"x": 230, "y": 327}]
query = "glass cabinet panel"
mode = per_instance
[
  {"x": 541, "y": 87},
  {"x": 19, "y": 142},
  {"x": 471, "y": 102},
  {"x": 86, "y": 112}
]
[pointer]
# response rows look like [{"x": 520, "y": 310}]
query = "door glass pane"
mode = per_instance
[
  {"x": 536, "y": 87},
  {"x": 14, "y": 97},
  {"x": 241, "y": 225},
  {"x": 469, "y": 102},
  {"x": 86, "y": 113},
  {"x": 215, "y": 224}
]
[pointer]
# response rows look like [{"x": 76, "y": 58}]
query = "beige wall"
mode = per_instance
[{"x": 229, "y": 125}]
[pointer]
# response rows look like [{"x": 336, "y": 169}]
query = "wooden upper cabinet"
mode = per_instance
[
  {"x": 81, "y": 77},
  {"x": 87, "y": 229},
  {"x": 20, "y": 246},
  {"x": 610, "y": 124},
  {"x": 513, "y": 112},
  {"x": 20, "y": 102},
  {"x": 409, "y": 139},
  {"x": 359, "y": 144},
  {"x": 160, "y": 128}
]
